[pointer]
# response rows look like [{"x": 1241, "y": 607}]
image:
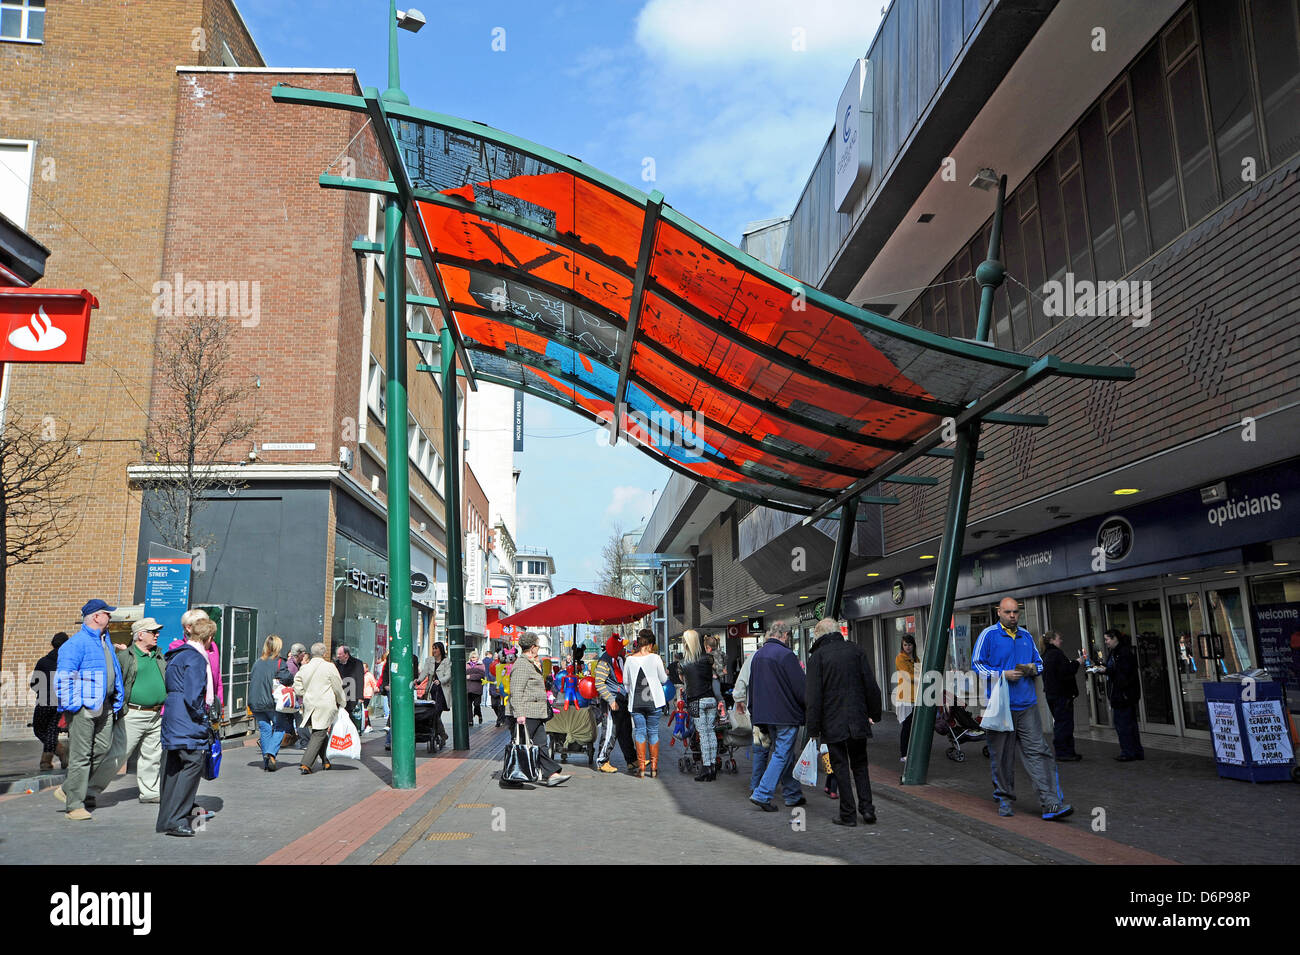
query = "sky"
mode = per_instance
[{"x": 721, "y": 105}]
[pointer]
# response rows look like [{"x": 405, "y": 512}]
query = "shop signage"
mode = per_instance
[
  {"x": 853, "y": 136},
  {"x": 1115, "y": 538},
  {"x": 376, "y": 586},
  {"x": 494, "y": 597},
  {"x": 473, "y": 569},
  {"x": 519, "y": 420},
  {"x": 897, "y": 592},
  {"x": 45, "y": 325},
  {"x": 419, "y": 582},
  {"x": 808, "y": 614},
  {"x": 1277, "y": 630},
  {"x": 167, "y": 588},
  {"x": 756, "y": 626}
]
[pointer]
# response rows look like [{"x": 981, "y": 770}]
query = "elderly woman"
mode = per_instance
[
  {"x": 529, "y": 707},
  {"x": 320, "y": 688},
  {"x": 186, "y": 726},
  {"x": 271, "y": 726},
  {"x": 475, "y": 674}
]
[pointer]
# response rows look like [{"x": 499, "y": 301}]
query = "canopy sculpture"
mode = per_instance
[{"x": 560, "y": 281}]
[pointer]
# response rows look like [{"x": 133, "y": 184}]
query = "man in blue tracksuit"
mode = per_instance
[{"x": 1006, "y": 651}]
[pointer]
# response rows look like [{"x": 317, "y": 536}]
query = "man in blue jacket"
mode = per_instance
[
  {"x": 91, "y": 696},
  {"x": 1006, "y": 651},
  {"x": 776, "y": 694}
]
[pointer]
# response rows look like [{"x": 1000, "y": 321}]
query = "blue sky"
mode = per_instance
[{"x": 726, "y": 102}]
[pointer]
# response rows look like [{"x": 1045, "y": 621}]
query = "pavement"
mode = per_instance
[{"x": 1171, "y": 808}]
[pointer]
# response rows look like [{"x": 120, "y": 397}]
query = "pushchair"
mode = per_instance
[
  {"x": 573, "y": 730},
  {"x": 690, "y": 761},
  {"x": 426, "y": 725},
  {"x": 956, "y": 722}
]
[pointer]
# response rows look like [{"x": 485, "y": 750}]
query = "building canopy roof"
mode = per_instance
[{"x": 565, "y": 283}]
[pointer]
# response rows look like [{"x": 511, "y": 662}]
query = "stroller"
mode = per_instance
[
  {"x": 426, "y": 725},
  {"x": 685, "y": 730},
  {"x": 955, "y": 721}
]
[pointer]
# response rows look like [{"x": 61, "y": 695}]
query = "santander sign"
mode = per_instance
[{"x": 44, "y": 325}]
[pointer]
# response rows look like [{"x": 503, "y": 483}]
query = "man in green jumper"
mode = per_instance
[{"x": 140, "y": 727}]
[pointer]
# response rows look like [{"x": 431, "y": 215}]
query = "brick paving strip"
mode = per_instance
[
  {"x": 363, "y": 820},
  {"x": 1063, "y": 836}
]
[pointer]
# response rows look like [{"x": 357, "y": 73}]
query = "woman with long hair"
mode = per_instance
[
  {"x": 271, "y": 726},
  {"x": 905, "y": 665},
  {"x": 702, "y": 699},
  {"x": 437, "y": 670},
  {"x": 644, "y": 677}
]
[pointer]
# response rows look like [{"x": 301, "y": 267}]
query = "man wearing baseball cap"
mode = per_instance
[{"x": 91, "y": 695}]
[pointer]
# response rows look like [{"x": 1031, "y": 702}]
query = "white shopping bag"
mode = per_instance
[
  {"x": 805, "y": 771},
  {"x": 997, "y": 712},
  {"x": 345, "y": 741}
]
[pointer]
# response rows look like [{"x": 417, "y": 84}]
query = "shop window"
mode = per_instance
[
  {"x": 969, "y": 314},
  {"x": 377, "y": 381},
  {"x": 1035, "y": 273},
  {"x": 907, "y": 104},
  {"x": 15, "y": 180},
  {"x": 938, "y": 311},
  {"x": 1076, "y": 226},
  {"x": 1227, "y": 75},
  {"x": 1128, "y": 194},
  {"x": 704, "y": 570},
  {"x": 953, "y": 293},
  {"x": 1200, "y": 194},
  {"x": 1276, "y": 27},
  {"x": 1055, "y": 253},
  {"x": 1151, "y": 113},
  {"x": 22, "y": 20},
  {"x": 950, "y": 33},
  {"x": 1100, "y": 195},
  {"x": 1014, "y": 257}
]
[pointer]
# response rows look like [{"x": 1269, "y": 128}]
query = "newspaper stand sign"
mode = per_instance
[
  {"x": 45, "y": 325},
  {"x": 1252, "y": 736}
]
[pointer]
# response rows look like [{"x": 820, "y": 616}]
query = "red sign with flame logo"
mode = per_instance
[{"x": 45, "y": 325}]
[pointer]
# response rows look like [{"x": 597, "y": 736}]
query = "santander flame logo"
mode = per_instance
[{"x": 39, "y": 334}]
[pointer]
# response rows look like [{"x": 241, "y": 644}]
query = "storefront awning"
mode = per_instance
[{"x": 567, "y": 284}]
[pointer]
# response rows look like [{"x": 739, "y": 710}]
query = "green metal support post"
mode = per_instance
[
  {"x": 455, "y": 582},
  {"x": 990, "y": 275},
  {"x": 840, "y": 561},
  {"x": 402, "y": 706}
]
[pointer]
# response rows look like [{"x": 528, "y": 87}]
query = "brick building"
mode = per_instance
[
  {"x": 160, "y": 161},
  {"x": 1150, "y": 144}
]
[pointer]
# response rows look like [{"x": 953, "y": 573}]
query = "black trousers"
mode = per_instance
[
  {"x": 623, "y": 731},
  {"x": 1062, "y": 725},
  {"x": 1126, "y": 728},
  {"x": 849, "y": 764},
  {"x": 182, "y": 771},
  {"x": 536, "y": 730},
  {"x": 476, "y": 706},
  {"x": 905, "y": 734}
]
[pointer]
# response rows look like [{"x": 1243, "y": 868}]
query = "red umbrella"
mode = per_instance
[{"x": 580, "y": 606}]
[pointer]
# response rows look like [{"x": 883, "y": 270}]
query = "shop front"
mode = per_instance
[
  {"x": 1204, "y": 585},
  {"x": 360, "y": 599}
]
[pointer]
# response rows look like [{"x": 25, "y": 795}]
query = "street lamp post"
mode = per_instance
[{"x": 402, "y": 707}]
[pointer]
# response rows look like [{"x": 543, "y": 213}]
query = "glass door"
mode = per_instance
[
  {"x": 1187, "y": 620},
  {"x": 1141, "y": 621}
]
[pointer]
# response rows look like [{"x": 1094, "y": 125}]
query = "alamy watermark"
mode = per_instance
[
  {"x": 182, "y": 298},
  {"x": 1085, "y": 298}
]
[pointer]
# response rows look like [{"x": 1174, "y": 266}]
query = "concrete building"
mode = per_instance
[
  {"x": 534, "y": 570},
  {"x": 1149, "y": 145}
]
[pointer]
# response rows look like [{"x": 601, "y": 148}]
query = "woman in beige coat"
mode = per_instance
[
  {"x": 529, "y": 706},
  {"x": 318, "y": 685}
]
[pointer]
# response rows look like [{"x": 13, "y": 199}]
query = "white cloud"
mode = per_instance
[{"x": 629, "y": 503}]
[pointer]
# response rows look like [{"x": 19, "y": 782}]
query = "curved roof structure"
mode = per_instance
[{"x": 570, "y": 285}]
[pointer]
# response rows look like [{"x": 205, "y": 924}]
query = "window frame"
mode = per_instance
[
  {"x": 25, "y": 8},
  {"x": 29, "y": 146}
]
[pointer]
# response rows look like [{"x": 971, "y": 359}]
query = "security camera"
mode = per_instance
[{"x": 252, "y": 455}]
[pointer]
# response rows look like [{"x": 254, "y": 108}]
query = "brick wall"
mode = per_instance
[
  {"x": 1222, "y": 345},
  {"x": 98, "y": 97}
]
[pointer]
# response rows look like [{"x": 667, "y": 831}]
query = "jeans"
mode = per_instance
[
  {"x": 780, "y": 767},
  {"x": 387, "y": 709},
  {"x": 270, "y": 730},
  {"x": 645, "y": 726}
]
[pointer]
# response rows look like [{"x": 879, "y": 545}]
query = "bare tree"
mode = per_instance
[
  {"x": 38, "y": 500},
  {"x": 197, "y": 416},
  {"x": 612, "y": 576}
]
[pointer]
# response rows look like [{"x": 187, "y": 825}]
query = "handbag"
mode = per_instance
[
  {"x": 212, "y": 758},
  {"x": 521, "y": 760}
]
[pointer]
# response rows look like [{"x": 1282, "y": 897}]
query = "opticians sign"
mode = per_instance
[{"x": 45, "y": 325}]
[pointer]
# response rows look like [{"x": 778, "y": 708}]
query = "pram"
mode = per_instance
[
  {"x": 956, "y": 722},
  {"x": 689, "y": 761},
  {"x": 573, "y": 730},
  {"x": 426, "y": 725}
]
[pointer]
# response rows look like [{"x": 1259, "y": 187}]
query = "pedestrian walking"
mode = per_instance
[
  {"x": 906, "y": 666},
  {"x": 352, "y": 675},
  {"x": 529, "y": 706},
  {"x": 616, "y": 716},
  {"x": 381, "y": 676},
  {"x": 702, "y": 698},
  {"x": 843, "y": 701},
  {"x": 370, "y": 688},
  {"x": 1005, "y": 650},
  {"x": 475, "y": 674},
  {"x": 187, "y": 722},
  {"x": 1123, "y": 691},
  {"x": 91, "y": 696},
  {"x": 776, "y": 690},
  {"x": 298, "y": 656},
  {"x": 320, "y": 688},
  {"x": 436, "y": 674},
  {"x": 675, "y": 674},
  {"x": 495, "y": 666},
  {"x": 644, "y": 677},
  {"x": 45, "y": 715},
  {"x": 268, "y": 671},
  {"x": 139, "y": 730},
  {"x": 1060, "y": 689}
]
